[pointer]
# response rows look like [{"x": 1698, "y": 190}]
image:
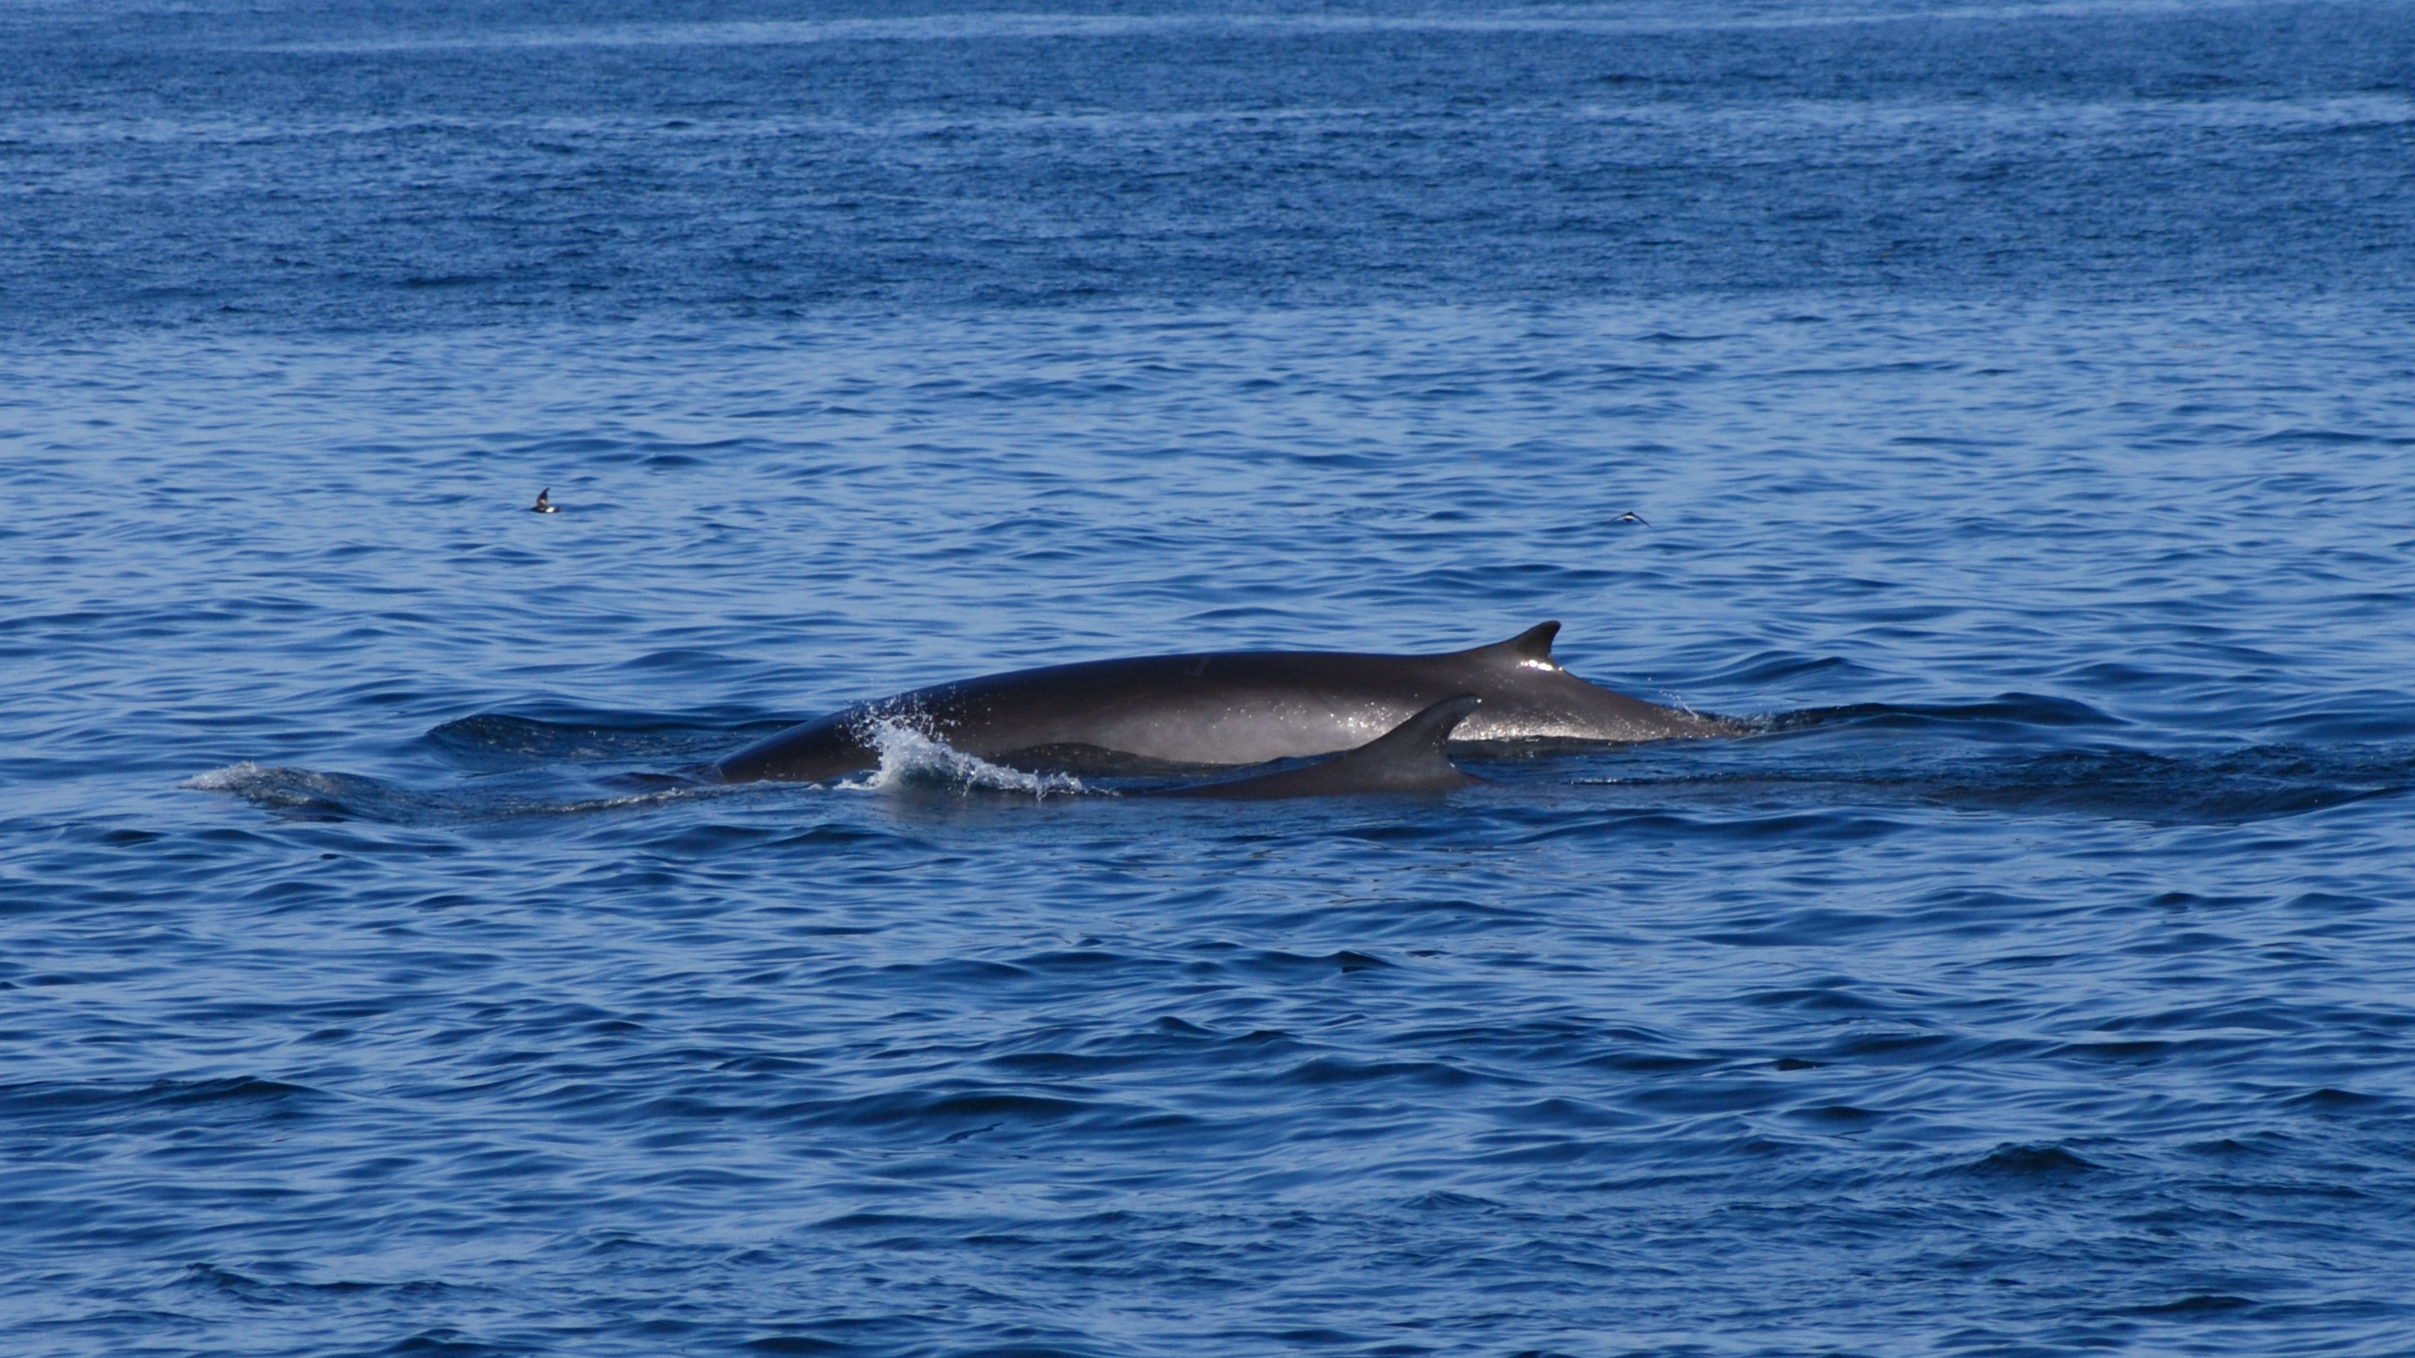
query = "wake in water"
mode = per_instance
[
  {"x": 2022, "y": 754},
  {"x": 2013, "y": 754},
  {"x": 520, "y": 766},
  {"x": 308, "y": 794}
]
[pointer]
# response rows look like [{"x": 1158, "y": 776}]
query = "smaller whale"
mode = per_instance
[
  {"x": 545, "y": 504},
  {"x": 1409, "y": 758}
]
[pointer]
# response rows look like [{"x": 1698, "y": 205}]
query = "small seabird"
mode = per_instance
[
  {"x": 543, "y": 505},
  {"x": 1629, "y": 517}
]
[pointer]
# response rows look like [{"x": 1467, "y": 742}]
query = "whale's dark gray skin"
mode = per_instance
[
  {"x": 1409, "y": 758},
  {"x": 1229, "y": 707}
]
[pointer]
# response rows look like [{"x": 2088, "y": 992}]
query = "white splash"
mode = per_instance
[
  {"x": 911, "y": 756},
  {"x": 232, "y": 778},
  {"x": 276, "y": 784}
]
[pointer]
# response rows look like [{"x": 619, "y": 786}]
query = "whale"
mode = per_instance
[{"x": 1222, "y": 708}]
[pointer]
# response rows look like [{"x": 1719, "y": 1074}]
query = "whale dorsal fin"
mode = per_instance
[
  {"x": 1408, "y": 758},
  {"x": 1532, "y": 646}
]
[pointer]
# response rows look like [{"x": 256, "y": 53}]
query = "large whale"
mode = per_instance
[{"x": 1224, "y": 708}]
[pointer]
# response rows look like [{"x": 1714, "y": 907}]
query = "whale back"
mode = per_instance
[{"x": 1225, "y": 708}]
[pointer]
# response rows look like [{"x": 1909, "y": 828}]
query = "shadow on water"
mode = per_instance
[
  {"x": 494, "y": 742},
  {"x": 2010, "y": 755}
]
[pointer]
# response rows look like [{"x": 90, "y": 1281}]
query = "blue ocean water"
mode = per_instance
[{"x": 2017, "y": 406}]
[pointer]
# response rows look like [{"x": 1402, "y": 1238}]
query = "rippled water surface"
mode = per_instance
[{"x": 2007, "y": 411}]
